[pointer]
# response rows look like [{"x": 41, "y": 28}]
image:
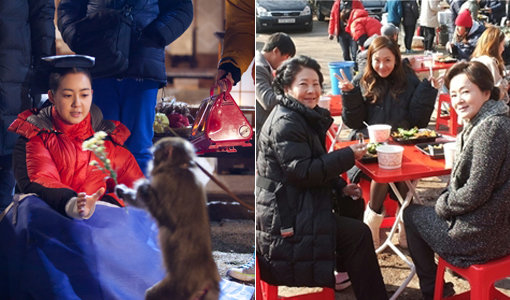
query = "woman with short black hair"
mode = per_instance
[
  {"x": 300, "y": 241},
  {"x": 470, "y": 222}
]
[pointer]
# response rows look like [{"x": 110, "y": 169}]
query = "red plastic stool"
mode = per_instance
[
  {"x": 390, "y": 205},
  {"x": 481, "y": 278},
  {"x": 265, "y": 291},
  {"x": 449, "y": 120}
]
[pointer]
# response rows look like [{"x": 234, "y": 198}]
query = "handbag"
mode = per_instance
[{"x": 106, "y": 35}]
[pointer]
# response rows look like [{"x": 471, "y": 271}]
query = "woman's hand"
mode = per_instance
[
  {"x": 86, "y": 203},
  {"x": 343, "y": 82},
  {"x": 436, "y": 82},
  {"x": 352, "y": 190},
  {"x": 359, "y": 150}
]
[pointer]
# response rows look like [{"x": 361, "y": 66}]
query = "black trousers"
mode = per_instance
[
  {"x": 355, "y": 254},
  {"x": 408, "y": 35},
  {"x": 421, "y": 253},
  {"x": 429, "y": 33},
  {"x": 348, "y": 45}
]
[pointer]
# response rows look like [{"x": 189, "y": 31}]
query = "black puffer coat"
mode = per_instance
[
  {"x": 27, "y": 33},
  {"x": 295, "y": 182},
  {"x": 412, "y": 108},
  {"x": 157, "y": 23}
]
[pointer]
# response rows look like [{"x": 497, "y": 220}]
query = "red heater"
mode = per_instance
[{"x": 220, "y": 125}]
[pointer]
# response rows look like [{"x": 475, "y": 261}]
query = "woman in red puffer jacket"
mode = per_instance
[{"x": 48, "y": 157}]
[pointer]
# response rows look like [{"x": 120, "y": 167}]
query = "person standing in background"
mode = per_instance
[
  {"x": 496, "y": 10},
  {"x": 336, "y": 28},
  {"x": 394, "y": 10},
  {"x": 455, "y": 6},
  {"x": 129, "y": 96},
  {"x": 239, "y": 42},
  {"x": 411, "y": 13},
  {"x": 429, "y": 21},
  {"x": 236, "y": 56},
  {"x": 276, "y": 50},
  {"x": 27, "y": 33}
]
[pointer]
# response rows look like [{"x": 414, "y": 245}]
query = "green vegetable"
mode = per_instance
[
  {"x": 372, "y": 148},
  {"x": 160, "y": 123}
]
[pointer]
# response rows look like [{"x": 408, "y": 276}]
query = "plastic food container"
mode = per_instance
[
  {"x": 324, "y": 102},
  {"x": 390, "y": 156},
  {"x": 379, "y": 133},
  {"x": 449, "y": 155}
]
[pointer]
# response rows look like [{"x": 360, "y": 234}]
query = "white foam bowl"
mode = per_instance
[
  {"x": 390, "y": 156},
  {"x": 379, "y": 133}
]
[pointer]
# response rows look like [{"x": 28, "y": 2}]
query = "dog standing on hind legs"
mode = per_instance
[{"x": 177, "y": 200}]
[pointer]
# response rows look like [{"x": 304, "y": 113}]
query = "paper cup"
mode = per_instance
[
  {"x": 324, "y": 102},
  {"x": 390, "y": 156},
  {"x": 449, "y": 155},
  {"x": 379, "y": 133}
]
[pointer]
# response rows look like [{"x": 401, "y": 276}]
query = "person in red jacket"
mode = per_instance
[
  {"x": 48, "y": 157},
  {"x": 360, "y": 26},
  {"x": 336, "y": 28}
]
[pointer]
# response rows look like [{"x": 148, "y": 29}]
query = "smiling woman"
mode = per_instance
[
  {"x": 299, "y": 183},
  {"x": 49, "y": 160},
  {"x": 386, "y": 92},
  {"x": 470, "y": 222}
]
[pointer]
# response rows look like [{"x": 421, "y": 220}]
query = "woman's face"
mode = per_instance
[
  {"x": 305, "y": 88},
  {"x": 383, "y": 62},
  {"x": 73, "y": 97},
  {"x": 467, "y": 98},
  {"x": 501, "y": 47}
]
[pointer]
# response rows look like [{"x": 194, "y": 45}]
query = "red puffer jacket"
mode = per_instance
[
  {"x": 49, "y": 160},
  {"x": 360, "y": 24},
  {"x": 334, "y": 27}
]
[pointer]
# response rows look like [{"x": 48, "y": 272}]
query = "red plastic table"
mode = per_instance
[
  {"x": 415, "y": 165},
  {"x": 420, "y": 63}
]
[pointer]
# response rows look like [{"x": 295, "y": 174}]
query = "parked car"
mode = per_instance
[
  {"x": 282, "y": 15},
  {"x": 374, "y": 8}
]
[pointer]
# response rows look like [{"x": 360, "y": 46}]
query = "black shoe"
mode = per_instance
[{"x": 448, "y": 290}]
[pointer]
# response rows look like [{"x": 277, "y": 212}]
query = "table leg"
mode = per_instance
[{"x": 387, "y": 243}]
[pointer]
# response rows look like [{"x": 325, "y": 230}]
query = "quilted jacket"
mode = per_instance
[
  {"x": 156, "y": 24},
  {"x": 49, "y": 160},
  {"x": 300, "y": 177},
  {"x": 361, "y": 25}
]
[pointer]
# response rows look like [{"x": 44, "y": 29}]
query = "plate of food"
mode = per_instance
[
  {"x": 371, "y": 155},
  {"x": 434, "y": 150},
  {"x": 445, "y": 58},
  {"x": 414, "y": 135}
]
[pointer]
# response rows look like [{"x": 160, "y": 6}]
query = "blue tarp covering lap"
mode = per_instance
[{"x": 112, "y": 255}]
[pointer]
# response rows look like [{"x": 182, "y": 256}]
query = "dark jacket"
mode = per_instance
[
  {"x": 27, "y": 33},
  {"x": 410, "y": 12},
  {"x": 49, "y": 160},
  {"x": 299, "y": 178},
  {"x": 497, "y": 10},
  {"x": 463, "y": 50},
  {"x": 156, "y": 24},
  {"x": 412, "y": 108}
]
